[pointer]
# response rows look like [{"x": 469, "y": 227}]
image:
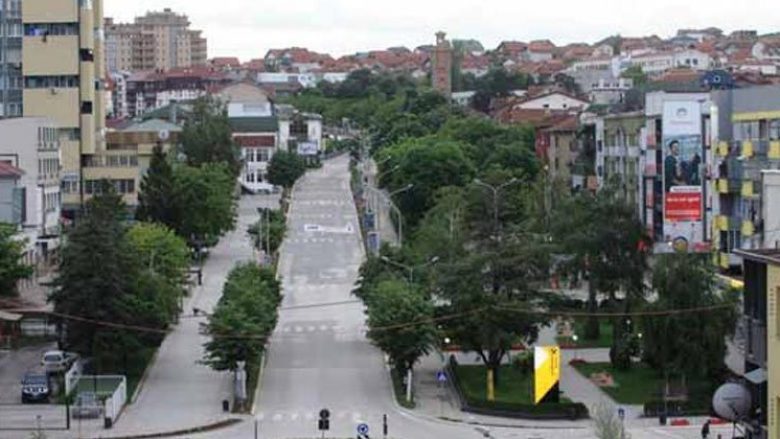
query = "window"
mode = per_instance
[
  {"x": 56, "y": 81},
  {"x": 264, "y": 155},
  {"x": 86, "y": 55},
  {"x": 69, "y": 187},
  {"x": 50, "y": 29},
  {"x": 86, "y": 107},
  {"x": 774, "y": 129}
]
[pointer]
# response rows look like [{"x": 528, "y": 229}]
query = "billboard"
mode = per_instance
[
  {"x": 308, "y": 148},
  {"x": 547, "y": 370},
  {"x": 683, "y": 176}
]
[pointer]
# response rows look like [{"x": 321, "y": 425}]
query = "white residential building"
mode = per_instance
[
  {"x": 33, "y": 146},
  {"x": 552, "y": 101}
]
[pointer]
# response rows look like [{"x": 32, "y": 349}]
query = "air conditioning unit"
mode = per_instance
[{"x": 53, "y": 91}]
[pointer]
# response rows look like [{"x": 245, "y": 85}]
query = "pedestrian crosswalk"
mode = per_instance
[
  {"x": 299, "y": 329},
  {"x": 318, "y": 240},
  {"x": 309, "y": 415}
]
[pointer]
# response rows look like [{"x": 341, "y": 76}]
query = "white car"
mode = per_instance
[{"x": 58, "y": 361}]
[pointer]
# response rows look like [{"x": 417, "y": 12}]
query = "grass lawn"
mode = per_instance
[
  {"x": 400, "y": 391},
  {"x": 633, "y": 386},
  {"x": 513, "y": 386},
  {"x": 641, "y": 384},
  {"x": 604, "y": 340}
]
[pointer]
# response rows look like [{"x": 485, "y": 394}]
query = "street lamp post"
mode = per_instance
[{"x": 496, "y": 191}]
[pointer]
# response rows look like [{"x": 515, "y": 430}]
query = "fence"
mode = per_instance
[
  {"x": 72, "y": 377},
  {"x": 116, "y": 401}
]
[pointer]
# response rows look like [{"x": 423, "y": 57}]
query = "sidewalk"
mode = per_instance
[{"x": 384, "y": 223}]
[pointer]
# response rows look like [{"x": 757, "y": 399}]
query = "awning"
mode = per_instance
[
  {"x": 756, "y": 376},
  {"x": 9, "y": 316}
]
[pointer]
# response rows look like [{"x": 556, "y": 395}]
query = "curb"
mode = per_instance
[
  {"x": 145, "y": 375},
  {"x": 259, "y": 383},
  {"x": 193, "y": 430}
]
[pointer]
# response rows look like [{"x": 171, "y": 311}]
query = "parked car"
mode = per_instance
[
  {"x": 36, "y": 387},
  {"x": 87, "y": 406},
  {"x": 58, "y": 361}
]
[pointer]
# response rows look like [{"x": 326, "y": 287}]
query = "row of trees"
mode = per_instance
[
  {"x": 478, "y": 200},
  {"x": 120, "y": 284},
  {"x": 244, "y": 318}
]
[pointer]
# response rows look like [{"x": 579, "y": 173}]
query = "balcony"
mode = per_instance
[
  {"x": 748, "y": 228},
  {"x": 729, "y": 186},
  {"x": 725, "y": 223}
]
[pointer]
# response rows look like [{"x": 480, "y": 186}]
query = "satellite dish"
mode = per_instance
[
  {"x": 163, "y": 135},
  {"x": 732, "y": 402}
]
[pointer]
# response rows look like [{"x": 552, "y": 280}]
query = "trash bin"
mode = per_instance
[
  {"x": 107, "y": 422},
  {"x": 225, "y": 405},
  {"x": 662, "y": 418}
]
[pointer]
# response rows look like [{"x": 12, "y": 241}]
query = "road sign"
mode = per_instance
[
  {"x": 323, "y": 424},
  {"x": 547, "y": 370},
  {"x": 441, "y": 376},
  {"x": 362, "y": 430}
]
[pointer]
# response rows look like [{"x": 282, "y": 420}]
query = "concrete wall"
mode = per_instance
[
  {"x": 57, "y": 55},
  {"x": 50, "y": 11},
  {"x": 61, "y": 105}
]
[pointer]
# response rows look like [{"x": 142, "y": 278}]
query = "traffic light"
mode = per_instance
[{"x": 324, "y": 421}]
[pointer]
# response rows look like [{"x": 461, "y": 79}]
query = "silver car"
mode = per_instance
[{"x": 87, "y": 406}]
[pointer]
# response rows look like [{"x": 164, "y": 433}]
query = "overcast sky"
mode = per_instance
[{"x": 248, "y": 28}]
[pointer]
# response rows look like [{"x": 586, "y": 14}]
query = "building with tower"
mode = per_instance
[{"x": 441, "y": 76}]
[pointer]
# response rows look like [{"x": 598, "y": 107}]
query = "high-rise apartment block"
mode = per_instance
[
  {"x": 156, "y": 41},
  {"x": 51, "y": 66}
]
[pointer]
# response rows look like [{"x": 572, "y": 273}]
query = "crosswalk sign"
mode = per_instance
[{"x": 547, "y": 370}]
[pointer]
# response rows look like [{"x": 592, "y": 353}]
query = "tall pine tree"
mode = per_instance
[
  {"x": 97, "y": 274},
  {"x": 157, "y": 198}
]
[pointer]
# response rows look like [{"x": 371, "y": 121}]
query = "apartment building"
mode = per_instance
[
  {"x": 159, "y": 40},
  {"x": 52, "y": 67},
  {"x": 33, "y": 146},
  {"x": 747, "y": 139},
  {"x": 128, "y": 156},
  {"x": 151, "y": 90},
  {"x": 619, "y": 154},
  {"x": 761, "y": 320}
]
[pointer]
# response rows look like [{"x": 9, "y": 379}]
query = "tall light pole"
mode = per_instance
[
  {"x": 408, "y": 187},
  {"x": 410, "y": 279},
  {"x": 496, "y": 190}
]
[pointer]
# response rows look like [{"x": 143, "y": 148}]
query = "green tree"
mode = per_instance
[
  {"x": 691, "y": 344},
  {"x": 206, "y": 195},
  {"x": 157, "y": 198},
  {"x": 244, "y": 318},
  {"x": 495, "y": 282},
  {"x": 599, "y": 232},
  {"x": 12, "y": 269},
  {"x": 98, "y": 285},
  {"x": 285, "y": 169},
  {"x": 400, "y": 323},
  {"x": 164, "y": 259},
  {"x": 268, "y": 233},
  {"x": 635, "y": 73},
  {"x": 427, "y": 165},
  {"x": 207, "y": 136}
]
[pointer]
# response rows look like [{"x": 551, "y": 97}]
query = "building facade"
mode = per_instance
[
  {"x": 747, "y": 135},
  {"x": 156, "y": 41},
  {"x": 761, "y": 320},
  {"x": 54, "y": 62},
  {"x": 127, "y": 158},
  {"x": 619, "y": 152},
  {"x": 33, "y": 145}
]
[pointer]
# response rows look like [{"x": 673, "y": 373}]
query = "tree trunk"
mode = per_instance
[{"x": 592, "y": 329}]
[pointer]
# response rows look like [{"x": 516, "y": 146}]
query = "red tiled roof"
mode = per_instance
[
  {"x": 255, "y": 64},
  {"x": 9, "y": 170},
  {"x": 512, "y": 47},
  {"x": 544, "y": 46},
  {"x": 226, "y": 61}
]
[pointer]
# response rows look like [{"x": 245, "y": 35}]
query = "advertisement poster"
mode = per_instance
[{"x": 683, "y": 177}]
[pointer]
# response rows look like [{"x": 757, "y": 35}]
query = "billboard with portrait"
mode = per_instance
[{"x": 683, "y": 176}]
